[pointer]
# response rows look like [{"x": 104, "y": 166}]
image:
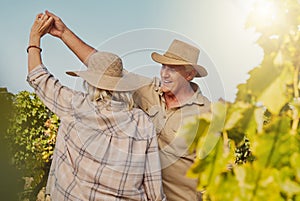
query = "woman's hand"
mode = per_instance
[{"x": 42, "y": 25}]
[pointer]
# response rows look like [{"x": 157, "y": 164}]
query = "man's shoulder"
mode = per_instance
[
  {"x": 204, "y": 99},
  {"x": 148, "y": 93},
  {"x": 203, "y": 102},
  {"x": 153, "y": 86}
]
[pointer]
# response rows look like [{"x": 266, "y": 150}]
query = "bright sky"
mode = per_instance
[{"x": 133, "y": 29}]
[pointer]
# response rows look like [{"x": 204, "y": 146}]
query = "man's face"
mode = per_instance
[{"x": 174, "y": 79}]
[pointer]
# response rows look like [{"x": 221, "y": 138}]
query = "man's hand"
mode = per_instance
[
  {"x": 58, "y": 28},
  {"x": 78, "y": 46}
]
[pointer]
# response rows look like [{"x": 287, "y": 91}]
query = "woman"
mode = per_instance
[{"x": 105, "y": 149}]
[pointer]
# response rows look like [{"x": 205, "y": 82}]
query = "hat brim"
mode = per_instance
[
  {"x": 128, "y": 82},
  {"x": 162, "y": 59}
]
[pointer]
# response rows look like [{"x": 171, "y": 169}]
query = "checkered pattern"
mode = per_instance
[{"x": 102, "y": 152}]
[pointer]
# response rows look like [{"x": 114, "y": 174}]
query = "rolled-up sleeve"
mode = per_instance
[{"x": 54, "y": 95}]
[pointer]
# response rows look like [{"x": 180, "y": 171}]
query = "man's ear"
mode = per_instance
[{"x": 191, "y": 75}]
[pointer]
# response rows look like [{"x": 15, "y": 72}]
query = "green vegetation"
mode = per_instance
[
  {"x": 31, "y": 139},
  {"x": 10, "y": 184},
  {"x": 250, "y": 149}
]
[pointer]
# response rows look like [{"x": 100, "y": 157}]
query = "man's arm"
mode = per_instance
[{"x": 74, "y": 43}]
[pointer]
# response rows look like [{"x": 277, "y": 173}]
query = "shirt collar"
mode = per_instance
[{"x": 197, "y": 97}]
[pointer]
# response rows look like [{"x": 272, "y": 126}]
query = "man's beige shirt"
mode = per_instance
[{"x": 174, "y": 155}]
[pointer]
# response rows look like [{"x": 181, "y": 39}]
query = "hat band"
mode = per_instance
[
  {"x": 174, "y": 56},
  {"x": 117, "y": 75}
]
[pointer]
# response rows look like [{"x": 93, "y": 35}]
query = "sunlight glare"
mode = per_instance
[
  {"x": 265, "y": 11},
  {"x": 274, "y": 36}
]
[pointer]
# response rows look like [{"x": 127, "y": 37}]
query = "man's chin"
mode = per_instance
[{"x": 165, "y": 89}]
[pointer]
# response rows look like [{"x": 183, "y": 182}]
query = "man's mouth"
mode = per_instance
[{"x": 166, "y": 81}]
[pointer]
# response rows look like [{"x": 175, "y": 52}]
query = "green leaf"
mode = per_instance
[
  {"x": 235, "y": 114},
  {"x": 209, "y": 168},
  {"x": 290, "y": 187},
  {"x": 266, "y": 88}
]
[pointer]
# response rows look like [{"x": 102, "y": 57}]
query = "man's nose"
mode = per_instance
[{"x": 164, "y": 72}]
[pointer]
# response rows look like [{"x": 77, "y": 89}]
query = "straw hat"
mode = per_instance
[
  {"x": 105, "y": 71},
  {"x": 181, "y": 53}
]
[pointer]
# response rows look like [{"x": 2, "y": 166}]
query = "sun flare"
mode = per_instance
[{"x": 265, "y": 12}]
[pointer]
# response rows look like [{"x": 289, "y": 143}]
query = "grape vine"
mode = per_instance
[{"x": 259, "y": 134}]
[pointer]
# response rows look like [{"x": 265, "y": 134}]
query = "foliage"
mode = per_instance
[
  {"x": 6, "y": 106},
  {"x": 265, "y": 115},
  {"x": 10, "y": 184},
  {"x": 31, "y": 136}
]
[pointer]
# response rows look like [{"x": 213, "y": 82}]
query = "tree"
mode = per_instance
[
  {"x": 10, "y": 184},
  {"x": 250, "y": 149},
  {"x": 31, "y": 136},
  {"x": 6, "y": 100}
]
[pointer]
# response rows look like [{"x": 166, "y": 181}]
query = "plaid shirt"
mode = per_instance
[{"x": 101, "y": 152}]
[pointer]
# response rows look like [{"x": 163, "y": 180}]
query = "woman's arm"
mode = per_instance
[
  {"x": 152, "y": 175},
  {"x": 55, "y": 96},
  {"x": 40, "y": 27}
]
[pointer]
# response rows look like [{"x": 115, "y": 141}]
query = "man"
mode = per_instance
[
  {"x": 105, "y": 149},
  {"x": 169, "y": 102}
]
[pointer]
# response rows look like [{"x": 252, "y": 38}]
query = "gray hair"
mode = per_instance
[{"x": 96, "y": 94}]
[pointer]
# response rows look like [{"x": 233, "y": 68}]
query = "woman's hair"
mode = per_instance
[{"x": 96, "y": 94}]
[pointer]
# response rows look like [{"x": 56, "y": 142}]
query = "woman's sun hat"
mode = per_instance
[
  {"x": 181, "y": 54},
  {"x": 105, "y": 71}
]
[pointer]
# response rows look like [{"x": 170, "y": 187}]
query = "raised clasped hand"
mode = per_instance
[{"x": 41, "y": 25}]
